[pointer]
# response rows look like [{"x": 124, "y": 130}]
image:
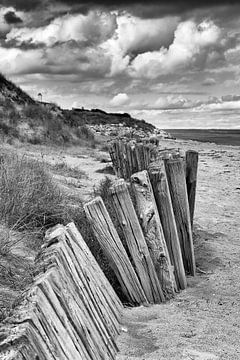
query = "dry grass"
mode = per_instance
[
  {"x": 28, "y": 197},
  {"x": 62, "y": 168},
  {"x": 30, "y": 203}
]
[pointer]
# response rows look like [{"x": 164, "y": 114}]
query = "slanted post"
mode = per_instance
[
  {"x": 152, "y": 229},
  {"x": 136, "y": 242},
  {"x": 164, "y": 204},
  {"x": 113, "y": 248},
  {"x": 178, "y": 190},
  {"x": 191, "y": 179}
]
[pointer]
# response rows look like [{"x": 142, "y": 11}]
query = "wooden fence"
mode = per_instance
[
  {"x": 70, "y": 312},
  {"x": 156, "y": 220}
]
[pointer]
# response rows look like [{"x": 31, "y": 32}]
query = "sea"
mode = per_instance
[{"x": 217, "y": 136}]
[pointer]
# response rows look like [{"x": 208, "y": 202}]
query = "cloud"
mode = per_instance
[
  {"x": 63, "y": 59},
  {"x": 192, "y": 42},
  {"x": 153, "y": 8},
  {"x": 93, "y": 28},
  {"x": 209, "y": 82},
  {"x": 119, "y": 100},
  {"x": 11, "y": 18},
  {"x": 26, "y": 5},
  {"x": 172, "y": 102},
  {"x": 136, "y": 35}
]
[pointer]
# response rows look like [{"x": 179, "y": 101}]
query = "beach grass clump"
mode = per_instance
[{"x": 29, "y": 199}]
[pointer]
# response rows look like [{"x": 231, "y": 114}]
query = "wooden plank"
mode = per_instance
[
  {"x": 152, "y": 229},
  {"x": 191, "y": 179},
  {"x": 178, "y": 190},
  {"x": 113, "y": 248},
  {"x": 164, "y": 204},
  {"x": 136, "y": 242},
  {"x": 100, "y": 287},
  {"x": 71, "y": 312}
]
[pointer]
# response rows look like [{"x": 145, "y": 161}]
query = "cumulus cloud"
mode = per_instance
[
  {"x": 172, "y": 102},
  {"x": 119, "y": 100},
  {"x": 209, "y": 82},
  {"x": 91, "y": 29},
  {"x": 61, "y": 60},
  {"x": 191, "y": 41},
  {"x": 136, "y": 35}
]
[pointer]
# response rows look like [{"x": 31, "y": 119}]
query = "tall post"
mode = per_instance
[
  {"x": 161, "y": 191},
  {"x": 178, "y": 190},
  {"x": 191, "y": 179}
]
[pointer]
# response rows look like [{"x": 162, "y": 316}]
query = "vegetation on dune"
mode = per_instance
[
  {"x": 29, "y": 199},
  {"x": 79, "y": 117},
  {"x": 30, "y": 203}
]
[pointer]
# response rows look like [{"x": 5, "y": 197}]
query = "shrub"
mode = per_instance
[
  {"x": 37, "y": 112},
  {"x": 83, "y": 132}
]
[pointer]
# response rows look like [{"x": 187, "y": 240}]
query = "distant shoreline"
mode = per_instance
[{"x": 217, "y": 136}]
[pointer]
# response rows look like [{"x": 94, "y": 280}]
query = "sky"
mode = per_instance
[{"x": 173, "y": 63}]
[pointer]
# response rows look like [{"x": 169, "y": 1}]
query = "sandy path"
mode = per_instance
[{"x": 202, "y": 322}]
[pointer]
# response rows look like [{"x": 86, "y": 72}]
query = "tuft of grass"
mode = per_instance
[{"x": 29, "y": 198}]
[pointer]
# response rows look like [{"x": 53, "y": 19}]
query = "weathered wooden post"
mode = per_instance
[
  {"x": 136, "y": 242},
  {"x": 164, "y": 204},
  {"x": 113, "y": 248},
  {"x": 178, "y": 190},
  {"x": 191, "y": 179},
  {"x": 131, "y": 157},
  {"x": 152, "y": 229}
]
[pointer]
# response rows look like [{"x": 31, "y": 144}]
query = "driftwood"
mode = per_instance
[
  {"x": 136, "y": 242},
  {"x": 113, "y": 248},
  {"x": 152, "y": 230},
  {"x": 71, "y": 311},
  {"x": 191, "y": 179},
  {"x": 178, "y": 190},
  {"x": 164, "y": 204}
]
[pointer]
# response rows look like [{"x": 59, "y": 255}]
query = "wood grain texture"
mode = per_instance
[
  {"x": 191, "y": 179},
  {"x": 113, "y": 248},
  {"x": 130, "y": 157},
  {"x": 136, "y": 242},
  {"x": 178, "y": 190},
  {"x": 152, "y": 229},
  {"x": 70, "y": 312},
  {"x": 161, "y": 191}
]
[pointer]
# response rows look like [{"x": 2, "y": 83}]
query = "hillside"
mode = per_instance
[
  {"x": 12, "y": 94},
  {"x": 76, "y": 117},
  {"x": 28, "y": 120}
]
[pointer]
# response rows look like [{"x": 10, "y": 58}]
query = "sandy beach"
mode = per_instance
[{"x": 201, "y": 322}]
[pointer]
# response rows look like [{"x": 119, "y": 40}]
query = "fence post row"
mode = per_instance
[
  {"x": 70, "y": 312},
  {"x": 161, "y": 191},
  {"x": 113, "y": 248},
  {"x": 136, "y": 242},
  {"x": 152, "y": 229}
]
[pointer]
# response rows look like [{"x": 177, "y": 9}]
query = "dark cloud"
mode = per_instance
[
  {"x": 154, "y": 8},
  {"x": 11, "y": 18},
  {"x": 25, "y": 5}
]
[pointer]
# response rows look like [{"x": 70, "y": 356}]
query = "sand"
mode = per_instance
[{"x": 202, "y": 322}]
